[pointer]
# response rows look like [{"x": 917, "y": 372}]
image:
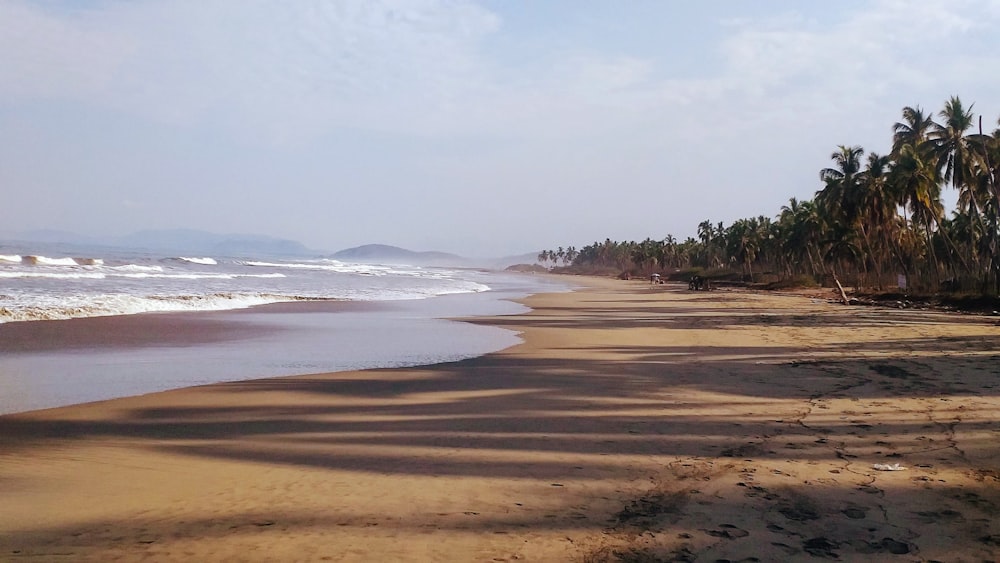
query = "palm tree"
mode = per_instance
[
  {"x": 571, "y": 254},
  {"x": 957, "y": 159},
  {"x": 840, "y": 203},
  {"x": 876, "y": 212},
  {"x": 956, "y": 155},
  {"x": 988, "y": 187},
  {"x": 915, "y": 183},
  {"x": 743, "y": 243},
  {"x": 840, "y": 196},
  {"x": 799, "y": 229},
  {"x": 913, "y": 179},
  {"x": 912, "y": 131}
]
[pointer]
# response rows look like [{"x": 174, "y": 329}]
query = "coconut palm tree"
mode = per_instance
[
  {"x": 840, "y": 204},
  {"x": 840, "y": 195},
  {"x": 957, "y": 159},
  {"x": 991, "y": 176},
  {"x": 956, "y": 154},
  {"x": 877, "y": 210},
  {"x": 571, "y": 254},
  {"x": 912, "y": 131},
  {"x": 800, "y": 228},
  {"x": 915, "y": 182}
]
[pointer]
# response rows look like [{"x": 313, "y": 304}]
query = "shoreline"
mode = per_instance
[
  {"x": 53, "y": 363},
  {"x": 166, "y": 329},
  {"x": 632, "y": 421}
]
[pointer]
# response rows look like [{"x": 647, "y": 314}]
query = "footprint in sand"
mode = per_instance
[
  {"x": 728, "y": 531},
  {"x": 854, "y": 513},
  {"x": 798, "y": 514},
  {"x": 992, "y": 539},
  {"x": 789, "y": 550},
  {"x": 890, "y": 545},
  {"x": 821, "y": 547},
  {"x": 757, "y": 491},
  {"x": 976, "y": 501}
]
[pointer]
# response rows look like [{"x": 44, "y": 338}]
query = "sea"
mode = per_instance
[{"x": 89, "y": 325}]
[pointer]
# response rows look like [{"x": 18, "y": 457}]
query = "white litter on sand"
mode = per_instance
[{"x": 885, "y": 467}]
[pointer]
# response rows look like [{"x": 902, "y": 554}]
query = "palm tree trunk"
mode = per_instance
[
  {"x": 936, "y": 274},
  {"x": 871, "y": 253}
]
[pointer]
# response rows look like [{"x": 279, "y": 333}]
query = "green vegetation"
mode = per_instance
[{"x": 876, "y": 217}]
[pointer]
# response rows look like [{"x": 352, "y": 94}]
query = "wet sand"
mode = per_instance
[
  {"x": 47, "y": 364},
  {"x": 635, "y": 423}
]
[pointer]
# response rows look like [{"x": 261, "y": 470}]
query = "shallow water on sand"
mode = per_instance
[{"x": 48, "y": 364}]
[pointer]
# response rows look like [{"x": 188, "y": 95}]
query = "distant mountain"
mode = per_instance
[
  {"x": 394, "y": 254},
  {"x": 188, "y": 240},
  {"x": 502, "y": 263},
  {"x": 180, "y": 241}
]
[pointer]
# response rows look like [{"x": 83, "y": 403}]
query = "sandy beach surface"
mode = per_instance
[{"x": 635, "y": 423}]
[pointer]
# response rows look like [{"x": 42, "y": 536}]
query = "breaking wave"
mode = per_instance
[
  {"x": 55, "y": 275},
  {"x": 328, "y": 265},
  {"x": 46, "y": 261},
  {"x": 132, "y": 274},
  {"x": 354, "y": 268},
  {"x": 136, "y": 268},
  {"x": 123, "y": 304},
  {"x": 202, "y": 261}
]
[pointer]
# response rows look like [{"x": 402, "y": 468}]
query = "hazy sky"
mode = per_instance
[{"x": 482, "y": 128}]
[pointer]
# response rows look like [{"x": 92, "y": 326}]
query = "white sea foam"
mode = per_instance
[
  {"x": 130, "y": 271},
  {"x": 123, "y": 304},
  {"x": 333, "y": 266},
  {"x": 192, "y": 276},
  {"x": 10, "y": 258},
  {"x": 408, "y": 293},
  {"x": 55, "y": 275},
  {"x": 136, "y": 268},
  {"x": 203, "y": 261}
]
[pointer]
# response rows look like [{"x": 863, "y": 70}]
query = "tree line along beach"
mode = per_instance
[{"x": 879, "y": 222}]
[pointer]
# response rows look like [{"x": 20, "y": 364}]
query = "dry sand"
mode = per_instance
[{"x": 636, "y": 423}]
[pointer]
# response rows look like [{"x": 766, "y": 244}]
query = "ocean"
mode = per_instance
[
  {"x": 39, "y": 287},
  {"x": 105, "y": 324}
]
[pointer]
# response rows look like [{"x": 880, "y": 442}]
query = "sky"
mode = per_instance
[{"x": 483, "y": 128}]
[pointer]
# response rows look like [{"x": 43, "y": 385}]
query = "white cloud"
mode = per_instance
[
  {"x": 891, "y": 46},
  {"x": 44, "y": 55},
  {"x": 272, "y": 66}
]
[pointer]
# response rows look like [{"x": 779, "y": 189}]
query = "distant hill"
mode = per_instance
[
  {"x": 506, "y": 261},
  {"x": 181, "y": 241},
  {"x": 396, "y": 255},
  {"x": 188, "y": 240}
]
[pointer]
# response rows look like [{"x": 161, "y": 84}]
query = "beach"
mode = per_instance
[{"x": 635, "y": 422}]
